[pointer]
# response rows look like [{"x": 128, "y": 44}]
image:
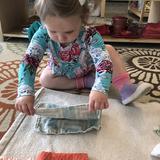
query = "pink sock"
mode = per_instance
[
  {"x": 89, "y": 80},
  {"x": 80, "y": 83},
  {"x": 85, "y": 82},
  {"x": 121, "y": 80}
]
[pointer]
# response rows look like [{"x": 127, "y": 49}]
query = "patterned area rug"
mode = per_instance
[
  {"x": 142, "y": 64},
  {"x": 10, "y": 56}
]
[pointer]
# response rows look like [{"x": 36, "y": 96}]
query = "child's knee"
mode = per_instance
[
  {"x": 108, "y": 46},
  {"x": 111, "y": 50},
  {"x": 43, "y": 80},
  {"x": 45, "y": 77},
  {"x": 47, "y": 80}
]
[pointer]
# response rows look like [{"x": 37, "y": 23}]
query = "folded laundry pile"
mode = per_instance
[
  {"x": 61, "y": 156},
  {"x": 64, "y": 113}
]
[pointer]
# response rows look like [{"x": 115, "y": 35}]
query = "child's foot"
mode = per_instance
[{"x": 131, "y": 92}]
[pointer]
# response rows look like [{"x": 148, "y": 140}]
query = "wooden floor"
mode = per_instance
[{"x": 128, "y": 40}]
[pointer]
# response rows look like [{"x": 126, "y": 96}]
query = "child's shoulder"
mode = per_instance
[
  {"x": 90, "y": 32},
  {"x": 43, "y": 29}
]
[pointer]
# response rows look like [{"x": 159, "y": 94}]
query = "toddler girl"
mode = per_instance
[{"x": 78, "y": 58}]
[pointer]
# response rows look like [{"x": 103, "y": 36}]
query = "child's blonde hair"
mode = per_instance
[{"x": 62, "y": 8}]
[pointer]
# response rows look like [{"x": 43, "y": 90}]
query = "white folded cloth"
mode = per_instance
[{"x": 156, "y": 151}]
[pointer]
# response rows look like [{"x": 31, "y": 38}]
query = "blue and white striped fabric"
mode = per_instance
[{"x": 64, "y": 113}]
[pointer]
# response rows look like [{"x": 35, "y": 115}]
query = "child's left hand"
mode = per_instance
[{"x": 97, "y": 100}]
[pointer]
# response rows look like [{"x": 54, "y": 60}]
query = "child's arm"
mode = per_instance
[
  {"x": 102, "y": 62},
  {"x": 28, "y": 67},
  {"x": 98, "y": 96}
]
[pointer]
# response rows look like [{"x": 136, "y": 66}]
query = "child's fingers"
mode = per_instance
[
  {"x": 101, "y": 105},
  {"x": 91, "y": 106},
  {"x": 98, "y": 105},
  {"x": 31, "y": 109},
  {"x": 25, "y": 109},
  {"x": 18, "y": 108},
  {"x": 106, "y": 105}
]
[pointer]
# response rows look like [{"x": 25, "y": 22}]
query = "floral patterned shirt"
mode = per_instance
[{"x": 87, "y": 53}]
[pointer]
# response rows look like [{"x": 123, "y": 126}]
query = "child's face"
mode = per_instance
[{"x": 63, "y": 30}]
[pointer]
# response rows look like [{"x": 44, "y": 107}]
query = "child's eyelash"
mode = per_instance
[
  {"x": 52, "y": 31},
  {"x": 65, "y": 32}
]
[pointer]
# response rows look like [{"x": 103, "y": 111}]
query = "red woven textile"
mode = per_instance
[
  {"x": 61, "y": 156},
  {"x": 103, "y": 29},
  {"x": 152, "y": 30}
]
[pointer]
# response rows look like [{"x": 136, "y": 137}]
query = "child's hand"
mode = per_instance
[
  {"x": 97, "y": 100},
  {"x": 25, "y": 104}
]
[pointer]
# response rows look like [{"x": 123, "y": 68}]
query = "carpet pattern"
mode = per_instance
[
  {"x": 142, "y": 65},
  {"x": 10, "y": 55}
]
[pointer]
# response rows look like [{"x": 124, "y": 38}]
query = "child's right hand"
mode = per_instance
[{"x": 25, "y": 104}]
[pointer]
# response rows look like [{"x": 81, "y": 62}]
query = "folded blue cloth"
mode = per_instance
[{"x": 57, "y": 115}]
